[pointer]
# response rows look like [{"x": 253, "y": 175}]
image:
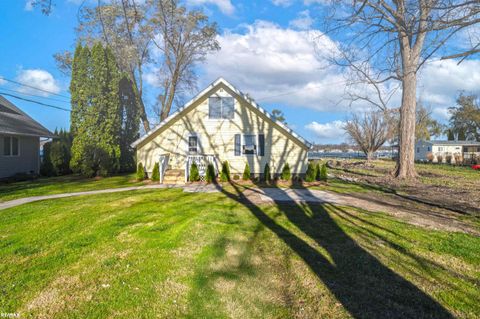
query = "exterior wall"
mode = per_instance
[
  {"x": 422, "y": 148},
  {"x": 217, "y": 137},
  {"x": 28, "y": 160}
]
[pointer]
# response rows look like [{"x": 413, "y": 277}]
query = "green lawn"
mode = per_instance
[
  {"x": 166, "y": 253},
  {"x": 62, "y": 184}
]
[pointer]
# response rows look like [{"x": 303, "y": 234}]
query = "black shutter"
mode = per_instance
[
  {"x": 261, "y": 145},
  {"x": 238, "y": 145}
]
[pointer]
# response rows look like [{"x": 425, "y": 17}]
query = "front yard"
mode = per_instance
[{"x": 165, "y": 253}]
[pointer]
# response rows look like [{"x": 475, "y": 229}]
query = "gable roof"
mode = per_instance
[
  {"x": 453, "y": 143},
  {"x": 15, "y": 121},
  {"x": 249, "y": 101}
]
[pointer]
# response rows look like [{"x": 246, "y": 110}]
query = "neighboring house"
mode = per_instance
[
  {"x": 19, "y": 141},
  {"x": 463, "y": 150},
  {"x": 222, "y": 124}
]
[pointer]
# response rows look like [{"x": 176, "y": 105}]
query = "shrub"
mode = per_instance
[
  {"x": 286, "y": 174},
  {"x": 310, "y": 175},
  {"x": 440, "y": 158},
  {"x": 317, "y": 172},
  {"x": 246, "y": 172},
  {"x": 225, "y": 175},
  {"x": 266, "y": 174},
  {"x": 194, "y": 174},
  {"x": 236, "y": 177},
  {"x": 323, "y": 173},
  {"x": 140, "y": 172},
  {"x": 430, "y": 157},
  {"x": 448, "y": 158},
  {"x": 156, "y": 173},
  {"x": 210, "y": 176}
]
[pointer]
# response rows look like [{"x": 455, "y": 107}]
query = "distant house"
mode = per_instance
[
  {"x": 222, "y": 124},
  {"x": 19, "y": 141},
  {"x": 437, "y": 151}
]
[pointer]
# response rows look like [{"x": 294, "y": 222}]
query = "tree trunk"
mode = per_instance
[
  {"x": 369, "y": 156},
  {"x": 405, "y": 168}
]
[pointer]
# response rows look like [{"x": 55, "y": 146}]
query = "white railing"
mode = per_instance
[
  {"x": 202, "y": 162},
  {"x": 163, "y": 164}
]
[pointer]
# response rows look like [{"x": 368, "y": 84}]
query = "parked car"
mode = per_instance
[{"x": 476, "y": 167}]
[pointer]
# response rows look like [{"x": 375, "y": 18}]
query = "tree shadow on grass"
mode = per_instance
[{"x": 364, "y": 286}]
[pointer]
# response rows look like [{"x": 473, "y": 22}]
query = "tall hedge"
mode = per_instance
[
  {"x": 246, "y": 172},
  {"x": 311, "y": 172},
  {"x": 140, "y": 172},
  {"x": 286, "y": 174},
  {"x": 267, "y": 177},
  {"x": 210, "y": 174},
  {"x": 225, "y": 175},
  {"x": 156, "y": 173},
  {"x": 194, "y": 174}
]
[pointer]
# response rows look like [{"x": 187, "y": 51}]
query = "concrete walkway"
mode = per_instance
[{"x": 20, "y": 201}]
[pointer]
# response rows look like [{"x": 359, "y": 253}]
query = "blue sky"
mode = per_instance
[{"x": 266, "y": 52}]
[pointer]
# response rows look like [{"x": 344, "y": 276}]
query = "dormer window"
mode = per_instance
[{"x": 221, "y": 107}]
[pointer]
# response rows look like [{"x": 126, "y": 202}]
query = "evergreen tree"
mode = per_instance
[
  {"x": 194, "y": 174},
  {"x": 246, "y": 172},
  {"x": 140, "y": 172},
  {"x": 156, "y": 173},
  {"x": 96, "y": 114},
  {"x": 130, "y": 122},
  {"x": 311, "y": 172},
  {"x": 286, "y": 174},
  {"x": 225, "y": 175},
  {"x": 323, "y": 173},
  {"x": 266, "y": 174},
  {"x": 450, "y": 135}
]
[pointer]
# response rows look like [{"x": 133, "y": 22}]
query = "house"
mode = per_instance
[
  {"x": 221, "y": 124},
  {"x": 442, "y": 151},
  {"x": 19, "y": 141}
]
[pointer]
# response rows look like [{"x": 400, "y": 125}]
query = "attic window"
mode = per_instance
[
  {"x": 4, "y": 109},
  {"x": 221, "y": 107}
]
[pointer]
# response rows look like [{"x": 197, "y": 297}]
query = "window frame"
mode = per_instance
[
  {"x": 222, "y": 113},
  {"x": 10, "y": 143},
  {"x": 254, "y": 139},
  {"x": 190, "y": 151}
]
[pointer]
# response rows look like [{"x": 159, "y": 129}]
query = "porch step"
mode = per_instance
[{"x": 174, "y": 176}]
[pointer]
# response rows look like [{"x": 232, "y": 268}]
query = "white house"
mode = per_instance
[
  {"x": 221, "y": 124},
  {"x": 438, "y": 151}
]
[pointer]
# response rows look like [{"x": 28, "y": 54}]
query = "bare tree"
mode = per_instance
[
  {"x": 384, "y": 41},
  {"x": 184, "y": 38},
  {"x": 369, "y": 130}
]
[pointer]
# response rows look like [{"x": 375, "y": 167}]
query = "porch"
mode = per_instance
[{"x": 182, "y": 176}]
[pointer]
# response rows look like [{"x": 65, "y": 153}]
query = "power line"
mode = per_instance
[
  {"x": 36, "y": 102},
  {"x": 39, "y": 96},
  {"x": 35, "y": 88}
]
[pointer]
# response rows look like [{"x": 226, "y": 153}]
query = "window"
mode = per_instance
[
  {"x": 221, "y": 107},
  {"x": 428, "y": 149},
  {"x": 193, "y": 144},
  {"x": 440, "y": 149},
  {"x": 249, "y": 145},
  {"x": 252, "y": 145},
  {"x": 10, "y": 146},
  {"x": 418, "y": 149}
]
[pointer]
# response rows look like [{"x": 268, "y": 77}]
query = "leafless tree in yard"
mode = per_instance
[
  {"x": 184, "y": 38},
  {"x": 383, "y": 42},
  {"x": 370, "y": 130}
]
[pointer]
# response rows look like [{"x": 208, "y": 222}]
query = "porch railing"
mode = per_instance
[
  {"x": 202, "y": 162},
  {"x": 163, "y": 164}
]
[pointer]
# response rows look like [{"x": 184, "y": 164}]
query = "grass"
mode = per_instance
[
  {"x": 167, "y": 254},
  {"x": 63, "y": 184}
]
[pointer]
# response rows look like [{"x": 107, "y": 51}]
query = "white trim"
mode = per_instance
[{"x": 238, "y": 92}]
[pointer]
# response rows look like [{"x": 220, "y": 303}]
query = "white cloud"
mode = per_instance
[
  {"x": 282, "y": 3},
  {"x": 225, "y": 6},
  {"x": 303, "y": 22},
  {"x": 28, "y": 5},
  {"x": 277, "y": 65},
  {"x": 37, "y": 78},
  {"x": 440, "y": 82},
  {"x": 331, "y": 132},
  {"x": 2, "y": 81}
]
